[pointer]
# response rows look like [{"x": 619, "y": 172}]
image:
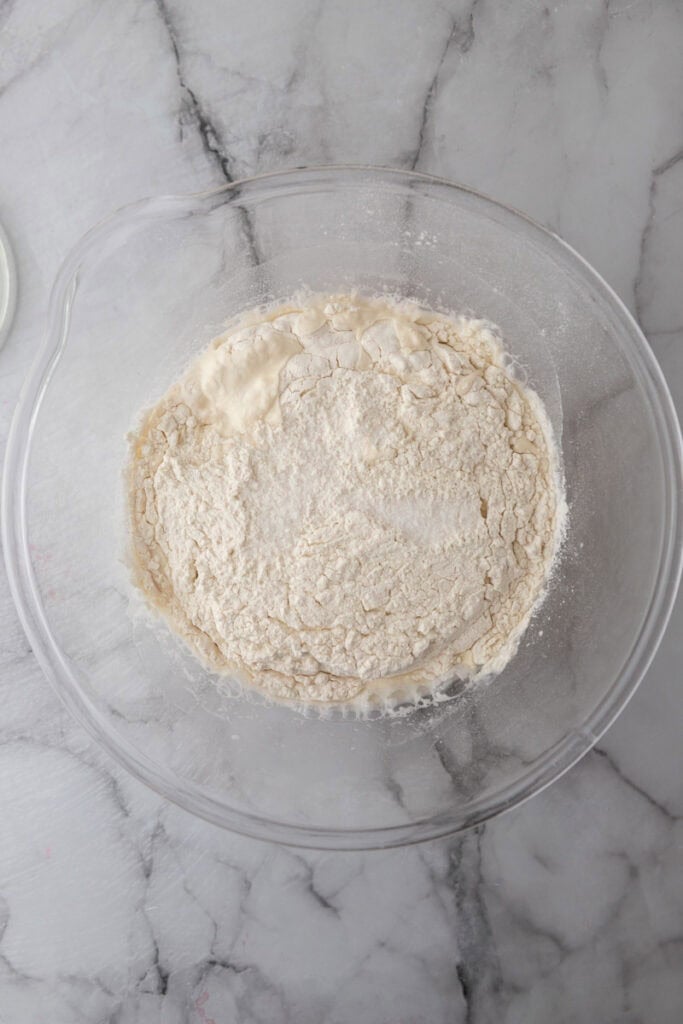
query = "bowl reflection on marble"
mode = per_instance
[{"x": 145, "y": 291}]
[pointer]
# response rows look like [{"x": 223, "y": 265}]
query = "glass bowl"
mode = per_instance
[{"x": 146, "y": 290}]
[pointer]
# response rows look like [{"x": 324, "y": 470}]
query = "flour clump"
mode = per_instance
[{"x": 347, "y": 497}]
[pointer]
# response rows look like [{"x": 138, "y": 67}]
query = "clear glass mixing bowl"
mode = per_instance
[{"x": 146, "y": 290}]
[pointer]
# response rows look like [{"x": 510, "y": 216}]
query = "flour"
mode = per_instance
[{"x": 347, "y": 497}]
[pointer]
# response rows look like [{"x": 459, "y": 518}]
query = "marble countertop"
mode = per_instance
[{"x": 115, "y": 906}]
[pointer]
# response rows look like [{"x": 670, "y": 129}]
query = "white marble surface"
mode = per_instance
[{"x": 116, "y": 907}]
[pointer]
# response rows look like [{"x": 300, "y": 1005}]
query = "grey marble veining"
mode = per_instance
[{"x": 116, "y": 907}]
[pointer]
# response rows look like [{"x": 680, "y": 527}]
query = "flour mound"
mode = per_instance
[{"x": 347, "y": 496}]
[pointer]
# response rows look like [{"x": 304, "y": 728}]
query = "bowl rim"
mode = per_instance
[
  {"x": 195, "y": 798},
  {"x": 8, "y": 286}
]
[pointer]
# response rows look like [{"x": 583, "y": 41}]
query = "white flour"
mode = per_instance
[{"x": 347, "y": 496}]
